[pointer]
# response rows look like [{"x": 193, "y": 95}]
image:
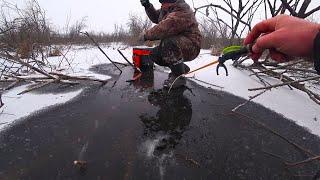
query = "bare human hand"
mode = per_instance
[{"x": 284, "y": 36}]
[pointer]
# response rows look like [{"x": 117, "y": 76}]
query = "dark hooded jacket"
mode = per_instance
[{"x": 176, "y": 19}]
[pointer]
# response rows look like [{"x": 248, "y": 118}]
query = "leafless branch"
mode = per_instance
[
  {"x": 285, "y": 84},
  {"x": 210, "y": 84},
  {"x": 307, "y": 75},
  {"x": 17, "y": 59},
  {"x": 225, "y": 10},
  {"x": 12, "y": 85},
  {"x": 250, "y": 99},
  {"x": 312, "y": 12},
  {"x": 288, "y": 7},
  {"x": 68, "y": 77},
  {"x": 1, "y": 103},
  {"x": 38, "y": 86},
  {"x": 297, "y": 8},
  {"x": 250, "y": 119},
  {"x": 316, "y": 158}
]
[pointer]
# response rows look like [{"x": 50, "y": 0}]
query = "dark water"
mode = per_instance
[{"x": 138, "y": 131}]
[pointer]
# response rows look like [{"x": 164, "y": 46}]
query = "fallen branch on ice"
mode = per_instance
[
  {"x": 68, "y": 77},
  {"x": 250, "y": 99},
  {"x": 250, "y": 119},
  {"x": 18, "y": 60},
  {"x": 1, "y": 103},
  {"x": 285, "y": 84},
  {"x": 287, "y": 79},
  {"x": 38, "y": 86},
  {"x": 210, "y": 84},
  {"x": 316, "y": 158}
]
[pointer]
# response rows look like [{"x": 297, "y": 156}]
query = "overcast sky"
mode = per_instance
[{"x": 101, "y": 14}]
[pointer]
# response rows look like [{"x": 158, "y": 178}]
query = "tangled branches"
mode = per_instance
[
  {"x": 39, "y": 75},
  {"x": 26, "y": 43},
  {"x": 24, "y": 31},
  {"x": 297, "y": 75}
]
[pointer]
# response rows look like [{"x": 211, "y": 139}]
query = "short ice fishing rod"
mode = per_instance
[{"x": 229, "y": 53}]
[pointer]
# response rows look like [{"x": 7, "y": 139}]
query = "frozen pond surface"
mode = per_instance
[{"x": 138, "y": 131}]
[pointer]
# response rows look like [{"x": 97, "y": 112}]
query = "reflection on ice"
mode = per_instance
[
  {"x": 162, "y": 159},
  {"x": 151, "y": 145}
]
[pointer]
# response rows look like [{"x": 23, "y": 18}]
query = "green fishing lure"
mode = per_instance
[
  {"x": 232, "y": 53},
  {"x": 231, "y": 49}
]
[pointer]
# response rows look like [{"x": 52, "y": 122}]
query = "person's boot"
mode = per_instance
[{"x": 176, "y": 71}]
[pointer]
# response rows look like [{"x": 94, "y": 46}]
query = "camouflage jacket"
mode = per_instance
[{"x": 173, "y": 20}]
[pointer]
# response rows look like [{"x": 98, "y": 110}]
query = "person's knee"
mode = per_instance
[
  {"x": 156, "y": 56},
  {"x": 171, "y": 51},
  {"x": 169, "y": 43},
  {"x": 181, "y": 48}
]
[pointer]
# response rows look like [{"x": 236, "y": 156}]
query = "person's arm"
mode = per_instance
[
  {"x": 174, "y": 24},
  {"x": 316, "y": 52},
  {"x": 284, "y": 36},
  {"x": 152, "y": 13}
]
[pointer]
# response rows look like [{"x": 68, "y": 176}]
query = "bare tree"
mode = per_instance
[
  {"x": 137, "y": 25},
  {"x": 240, "y": 17},
  {"x": 297, "y": 8},
  {"x": 27, "y": 31},
  {"x": 119, "y": 33},
  {"x": 76, "y": 28},
  {"x": 209, "y": 32}
]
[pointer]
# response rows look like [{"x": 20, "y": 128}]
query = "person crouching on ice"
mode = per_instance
[{"x": 177, "y": 28}]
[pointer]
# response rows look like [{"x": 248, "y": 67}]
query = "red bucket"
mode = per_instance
[{"x": 142, "y": 58}]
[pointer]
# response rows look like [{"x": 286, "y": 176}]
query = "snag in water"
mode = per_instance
[{"x": 81, "y": 165}]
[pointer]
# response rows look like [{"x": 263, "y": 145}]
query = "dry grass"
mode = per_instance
[
  {"x": 24, "y": 50},
  {"x": 55, "y": 51}
]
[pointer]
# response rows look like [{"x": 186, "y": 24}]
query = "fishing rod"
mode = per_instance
[
  {"x": 114, "y": 63},
  {"x": 230, "y": 53},
  {"x": 126, "y": 59}
]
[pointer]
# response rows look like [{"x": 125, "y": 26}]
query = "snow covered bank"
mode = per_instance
[
  {"x": 293, "y": 104},
  {"x": 19, "y": 106}
]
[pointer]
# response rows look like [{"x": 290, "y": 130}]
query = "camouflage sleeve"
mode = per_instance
[
  {"x": 153, "y": 14},
  {"x": 173, "y": 25}
]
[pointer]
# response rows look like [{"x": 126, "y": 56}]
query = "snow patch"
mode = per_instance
[
  {"x": 19, "y": 106},
  {"x": 81, "y": 60}
]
